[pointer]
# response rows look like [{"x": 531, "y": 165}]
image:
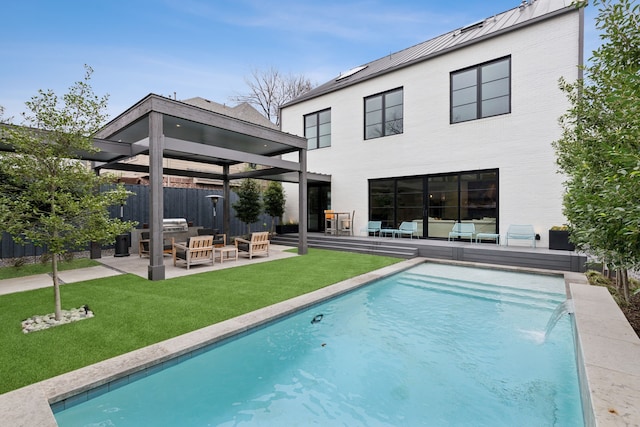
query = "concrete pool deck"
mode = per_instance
[{"x": 608, "y": 351}]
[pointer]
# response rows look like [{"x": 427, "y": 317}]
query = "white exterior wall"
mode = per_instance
[{"x": 517, "y": 144}]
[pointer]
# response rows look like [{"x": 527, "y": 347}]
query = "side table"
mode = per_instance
[
  {"x": 226, "y": 252},
  {"x": 481, "y": 236}
]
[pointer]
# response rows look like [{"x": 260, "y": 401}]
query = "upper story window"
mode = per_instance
[
  {"x": 481, "y": 91},
  {"x": 317, "y": 129},
  {"x": 383, "y": 114}
]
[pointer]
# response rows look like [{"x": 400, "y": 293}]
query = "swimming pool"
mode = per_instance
[{"x": 434, "y": 345}]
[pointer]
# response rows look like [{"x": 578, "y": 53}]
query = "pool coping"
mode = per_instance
[{"x": 605, "y": 342}]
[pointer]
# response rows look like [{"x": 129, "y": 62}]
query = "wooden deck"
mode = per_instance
[{"x": 521, "y": 255}]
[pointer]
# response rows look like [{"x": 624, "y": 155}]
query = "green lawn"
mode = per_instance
[
  {"x": 31, "y": 269},
  {"x": 132, "y": 312}
]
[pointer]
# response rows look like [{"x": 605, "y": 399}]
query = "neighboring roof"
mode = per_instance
[
  {"x": 529, "y": 12},
  {"x": 243, "y": 111}
]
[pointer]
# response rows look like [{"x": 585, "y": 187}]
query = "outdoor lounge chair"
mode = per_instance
[
  {"x": 406, "y": 228},
  {"x": 258, "y": 245},
  {"x": 219, "y": 240},
  {"x": 521, "y": 232},
  {"x": 143, "y": 245},
  {"x": 463, "y": 229},
  {"x": 197, "y": 250},
  {"x": 373, "y": 227}
]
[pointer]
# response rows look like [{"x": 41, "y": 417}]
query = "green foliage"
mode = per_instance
[
  {"x": 48, "y": 196},
  {"x": 132, "y": 312},
  {"x": 274, "y": 201},
  {"x": 248, "y": 207},
  {"x": 596, "y": 278},
  {"x": 599, "y": 151}
]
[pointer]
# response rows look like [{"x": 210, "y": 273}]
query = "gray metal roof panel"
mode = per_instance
[{"x": 527, "y": 13}]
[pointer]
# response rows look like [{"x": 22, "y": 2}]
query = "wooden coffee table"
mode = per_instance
[{"x": 226, "y": 252}]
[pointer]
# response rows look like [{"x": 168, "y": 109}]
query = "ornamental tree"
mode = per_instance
[
  {"x": 274, "y": 201},
  {"x": 248, "y": 207},
  {"x": 599, "y": 151},
  {"x": 48, "y": 196}
]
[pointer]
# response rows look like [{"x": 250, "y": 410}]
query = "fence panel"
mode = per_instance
[{"x": 189, "y": 203}]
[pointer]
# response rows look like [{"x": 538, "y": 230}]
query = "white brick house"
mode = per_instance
[{"x": 458, "y": 128}]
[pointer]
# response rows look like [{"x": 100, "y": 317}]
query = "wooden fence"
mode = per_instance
[{"x": 188, "y": 203}]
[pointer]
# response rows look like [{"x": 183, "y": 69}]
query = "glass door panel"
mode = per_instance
[
  {"x": 381, "y": 201},
  {"x": 410, "y": 202},
  {"x": 478, "y": 200},
  {"x": 442, "y": 205}
]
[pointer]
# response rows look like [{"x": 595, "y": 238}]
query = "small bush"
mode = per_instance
[
  {"x": 45, "y": 258},
  {"x": 597, "y": 279},
  {"x": 18, "y": 262}
]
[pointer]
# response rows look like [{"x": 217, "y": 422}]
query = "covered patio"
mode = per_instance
[{"x": 162, "y": 128}]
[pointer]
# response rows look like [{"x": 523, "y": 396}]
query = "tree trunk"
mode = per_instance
[
  {"x": 56, "y": 286},
  {"x": 625, "y": 284}
]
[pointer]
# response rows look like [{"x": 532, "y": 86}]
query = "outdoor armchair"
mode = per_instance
[
  {"x": 521, "y": 232},
  {"x": 258, "y": 245},
  {"x": 197, "y": 250},
  {"x": 219, "y": 240},
  {"x": 407, "y": 228},
  {"x": 373, "y": 227},
  {"x": 463, "y": 229}
]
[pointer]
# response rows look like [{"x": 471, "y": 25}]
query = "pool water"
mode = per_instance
[{"x": 435, "y": 345}]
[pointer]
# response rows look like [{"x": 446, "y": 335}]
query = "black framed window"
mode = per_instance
[
  {"x": 481, "y": 91},
  {"x": 384, "y": 114},
  {"x": 317, "y": 129}
]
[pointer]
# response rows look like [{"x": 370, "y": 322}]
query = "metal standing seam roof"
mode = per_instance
[{"x": 527, "y": 13}]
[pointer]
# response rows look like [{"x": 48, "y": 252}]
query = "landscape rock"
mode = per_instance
[{"x": 39, "y": 323}]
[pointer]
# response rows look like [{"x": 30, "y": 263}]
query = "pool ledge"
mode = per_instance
[
  {"x": 607, "y": 345},
  {"x": 610, "y": 351}
]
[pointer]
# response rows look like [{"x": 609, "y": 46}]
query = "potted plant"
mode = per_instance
[
  {"x": 291, "y": 227},
  {"x": 559, "y": 238}
]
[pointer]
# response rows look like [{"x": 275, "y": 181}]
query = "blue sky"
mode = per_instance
[{"x": 208, "y": 47}]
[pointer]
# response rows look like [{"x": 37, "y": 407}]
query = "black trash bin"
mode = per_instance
[{"x": 122, "y": 245}]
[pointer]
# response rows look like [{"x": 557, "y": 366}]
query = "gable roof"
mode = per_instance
[
  {"x": 527, "y": 13},
  {"x": 243, "y": 111}
]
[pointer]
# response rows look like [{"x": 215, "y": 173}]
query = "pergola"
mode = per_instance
[{"x": 164, "y": 128}]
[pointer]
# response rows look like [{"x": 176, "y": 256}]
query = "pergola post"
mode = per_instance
[
  {"x": 302, "y": 201},
  {"x": 156, "y": 202},
  {"x": 226, "y": 202}
]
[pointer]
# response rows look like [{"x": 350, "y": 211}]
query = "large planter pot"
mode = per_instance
[
  {"x": 559, "y": 240},
  {"x": 286, "y": 228}
]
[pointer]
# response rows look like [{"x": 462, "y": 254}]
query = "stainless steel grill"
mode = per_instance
[{"x": 174, "y": 225}]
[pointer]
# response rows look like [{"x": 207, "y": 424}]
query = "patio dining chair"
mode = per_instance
[{"x": 329, "y": 222}]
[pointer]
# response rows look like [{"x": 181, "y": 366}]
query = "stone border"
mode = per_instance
[{"x": 606, "y": 345}]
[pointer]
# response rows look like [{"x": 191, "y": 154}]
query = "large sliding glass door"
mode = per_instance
[{"x": 437, "y": 200}]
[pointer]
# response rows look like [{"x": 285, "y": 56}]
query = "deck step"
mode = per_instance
[{"x": 347, "y": 244}]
